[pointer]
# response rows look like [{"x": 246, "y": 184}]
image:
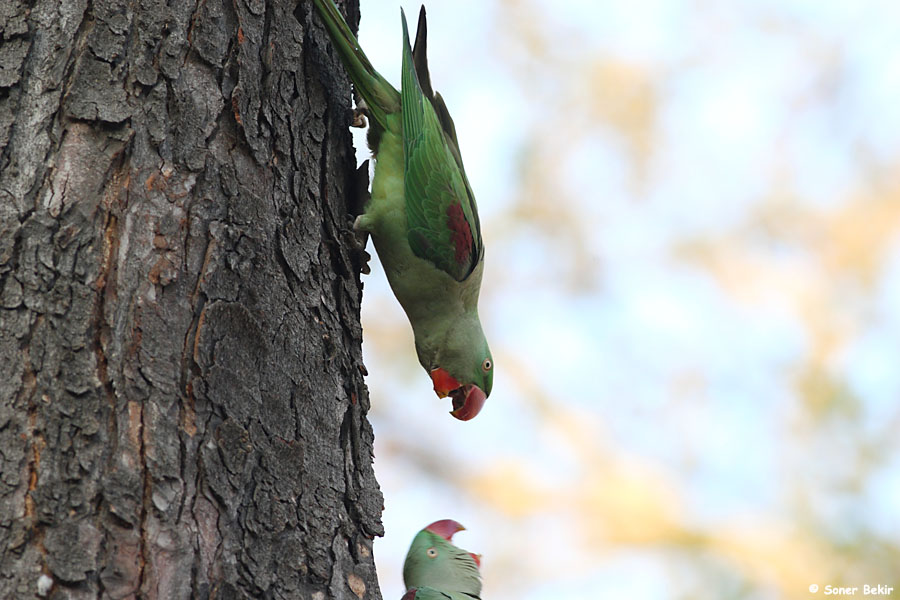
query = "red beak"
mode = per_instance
[
  {"x": 467, "y": 402},
  {"x": 444, "y": 382},
  {"x": 445, "y": 528},
  {"x": 467, "y": 399}
]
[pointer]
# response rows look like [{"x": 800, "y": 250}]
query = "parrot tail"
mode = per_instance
[{"x": 380, "y": 96}]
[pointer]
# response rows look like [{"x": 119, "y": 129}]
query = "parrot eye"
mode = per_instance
[
  {"x": 486, "y": 365},
  {"x": 432, "y": 553}
]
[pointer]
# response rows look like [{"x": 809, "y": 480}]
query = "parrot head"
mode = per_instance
[
  {"x": 463, "y": 370},
  {"x": 434, "y": 561}
]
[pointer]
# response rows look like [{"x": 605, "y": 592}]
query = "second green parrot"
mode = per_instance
[
  {"x": 422, "y": 216},
  {"x": 435, "y": 569}
]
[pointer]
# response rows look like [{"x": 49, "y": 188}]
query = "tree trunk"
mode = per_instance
[{"x": 183, "y": 406}]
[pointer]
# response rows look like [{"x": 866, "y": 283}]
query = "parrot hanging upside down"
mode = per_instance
[
  {"x": 422, "y": 216},
  {"x": 435, "y": 569}
]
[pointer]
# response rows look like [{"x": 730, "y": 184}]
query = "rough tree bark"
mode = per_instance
[{"x": 182, "y": 406}]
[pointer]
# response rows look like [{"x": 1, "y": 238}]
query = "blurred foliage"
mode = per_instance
[{"x": 740, "y": 155}]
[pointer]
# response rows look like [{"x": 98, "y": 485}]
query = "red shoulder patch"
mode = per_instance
[{"x": 460, "y": 233}]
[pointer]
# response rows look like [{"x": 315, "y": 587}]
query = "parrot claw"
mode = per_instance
[
  {"x": 360, "y": 233},
  {"x": 356, "y": 239},
  {"x": 364, "y": 262},
  {"x": 359, "y": 119},
  {"x": 359, "y": 236}
]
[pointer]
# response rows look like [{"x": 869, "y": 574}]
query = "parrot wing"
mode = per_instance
[
  {"x": 420, "y": 54},
  {"x": 441, "y": 213},
  {"x": 420, "y": 61}
]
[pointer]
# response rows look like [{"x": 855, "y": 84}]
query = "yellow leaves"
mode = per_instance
[
  {"x": 510, "y": 487},
  {"x": 819, "y": 264},
  {"x": 613, "y": 504},
  {"x": 621, "y": 95},
  {"x": 629, "y": 504},
  {"x": 857, "y": 235},
  {"x": 581, "y": 96},
  {"x": 614, "y": 498},
  {"x": 773, "y": 554},
  {"x": 824, "y": 394},
  {"x": 829, "y": 247}
]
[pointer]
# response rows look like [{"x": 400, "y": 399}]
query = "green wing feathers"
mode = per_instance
[
  {"x": 440, "y": 208},
  {"x": 380, "y": 97}
]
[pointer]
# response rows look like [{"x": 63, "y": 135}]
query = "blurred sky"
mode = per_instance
[{"x": 692, "y": 293}]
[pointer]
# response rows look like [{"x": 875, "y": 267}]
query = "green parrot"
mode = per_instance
[
  {"x": 422, "y": 216},
  {"x": 435, "y": 569}
]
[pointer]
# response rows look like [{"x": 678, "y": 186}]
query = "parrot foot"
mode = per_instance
[
  {"x": 359, "y": 235},
  {"x": 359, "y": 119},
  {"x": 356, "y": 240},
  {"x": 359, "y": 224},
  {"x": 364, "y": 258}
]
